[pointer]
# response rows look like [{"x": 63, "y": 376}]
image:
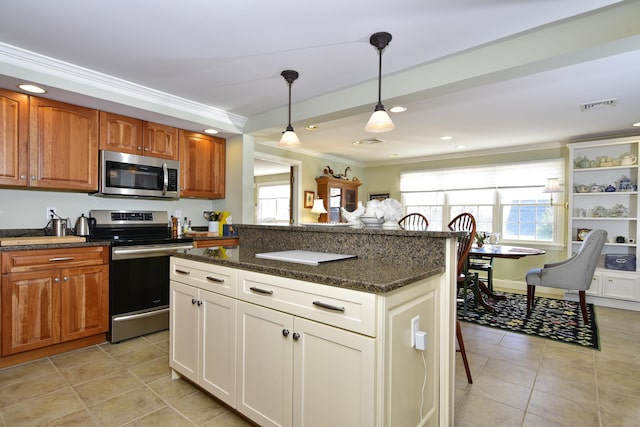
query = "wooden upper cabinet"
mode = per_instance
[
  {"x": 63, "y": 145},
  {"x": 14, "y": 138},
  {"x": 160, "y": 141},
  {"x": 202, "y": 165},
  {"x": 120, "y": 133},
  {"x": 128, "y": 135}
]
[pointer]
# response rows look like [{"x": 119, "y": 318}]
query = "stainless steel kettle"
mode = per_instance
[
  {"x": 84, "y": 225},
  {"x": 58, "y": 226}
]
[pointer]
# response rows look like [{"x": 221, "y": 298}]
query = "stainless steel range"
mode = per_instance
[{"x": 141, "y": 244}]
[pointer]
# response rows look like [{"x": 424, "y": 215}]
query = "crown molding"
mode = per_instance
[{"x": 23, "y": 64}]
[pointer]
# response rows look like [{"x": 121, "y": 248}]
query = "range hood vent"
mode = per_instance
[{"x": 594, "y": 105}]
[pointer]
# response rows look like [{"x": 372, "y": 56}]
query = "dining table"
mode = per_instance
[{"x": 489, "y": 252}]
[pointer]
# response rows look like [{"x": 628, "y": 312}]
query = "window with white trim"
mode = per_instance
[
  {"x": 273, "y": 203},
  {"x": 503, "y": 198}
]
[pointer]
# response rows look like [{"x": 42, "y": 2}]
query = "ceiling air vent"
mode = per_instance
[
  {"x": 368, "y": 141},
  {"x": 594, "y": 105}
]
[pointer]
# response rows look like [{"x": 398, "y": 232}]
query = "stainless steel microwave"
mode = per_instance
[{"x": 124, "y": 174}]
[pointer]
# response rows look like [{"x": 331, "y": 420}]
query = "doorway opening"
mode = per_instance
[{"x": 276, "y": 190}]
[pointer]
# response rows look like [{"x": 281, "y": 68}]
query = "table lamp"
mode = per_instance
[
  {"x": 318, "y": 207},
  {"x": 553, "y": 186}
]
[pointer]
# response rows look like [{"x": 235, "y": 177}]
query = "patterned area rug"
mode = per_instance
[{"x": 553, "y": 319}]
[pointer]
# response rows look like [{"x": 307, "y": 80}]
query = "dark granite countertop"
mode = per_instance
[
  {"x": 359, "y": 274},
  {"x": 53, "y": 246}
]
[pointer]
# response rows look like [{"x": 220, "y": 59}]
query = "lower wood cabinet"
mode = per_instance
[
  {"x": 231, "y": 241},
  {"x": 286, "y": 352},
  {"x": 53, "y": 296}
]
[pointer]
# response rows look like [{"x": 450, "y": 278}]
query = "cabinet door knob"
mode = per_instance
[
  {"x": 199, "y": 303},
  {"x": 65, "y": 278},
  {"x": 296, "y": 336},
  {"x": 285, "y": 332},
  {"x": 34, "y": 177},
  {"x": 23, "y": 176},
  {"x": 193, "y": 301}
]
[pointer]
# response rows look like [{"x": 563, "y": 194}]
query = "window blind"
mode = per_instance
[{"x": 505, "y": 175}]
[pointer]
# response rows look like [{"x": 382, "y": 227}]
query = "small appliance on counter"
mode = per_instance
[
  {"x": 57, "y": 226},
  {"x": 84, "y": 225}
]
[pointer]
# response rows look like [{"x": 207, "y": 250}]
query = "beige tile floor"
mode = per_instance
[
  {"x": 518, "y": 381},
  {"x": 526, "y": 381},
  {"x": 126, "y": 384}
]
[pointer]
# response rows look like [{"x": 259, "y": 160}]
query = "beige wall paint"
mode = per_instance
[
  {"x": 311, "y": 168},
  {"x": 386, "y": 178}
]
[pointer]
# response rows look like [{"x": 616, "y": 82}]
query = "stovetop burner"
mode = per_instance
[{"x": 133, "y": 228}]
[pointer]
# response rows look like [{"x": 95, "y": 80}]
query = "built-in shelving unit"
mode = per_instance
[{"x": 603, "y": 188}]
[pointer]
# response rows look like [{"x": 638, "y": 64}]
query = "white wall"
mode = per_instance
[{"x": 27, "y": 208}]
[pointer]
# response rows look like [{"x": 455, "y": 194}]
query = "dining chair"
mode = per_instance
[
  {"x": 464, "y": 222},
  {"x": 575, "y": 273},
  {"x": 465, "y": 280},
  {"x": 413, "y": 221}
]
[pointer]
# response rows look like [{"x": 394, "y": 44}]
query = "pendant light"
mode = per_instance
[
  {"x": 289, "y": 137},
  {"x": 379, "y": 121}
]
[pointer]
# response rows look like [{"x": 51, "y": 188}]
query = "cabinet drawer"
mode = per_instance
[
  {"x": 619, "y": 286},
  {"x": 210, "y": 277},
  {"x": 343, "y": 308},
  {"x": 44, "y": 259}
]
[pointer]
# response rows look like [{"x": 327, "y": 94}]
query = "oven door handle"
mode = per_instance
[{"x": 146, "y": 251}]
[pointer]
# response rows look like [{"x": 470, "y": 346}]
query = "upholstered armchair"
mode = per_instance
[{"x": 574, "y": 273}]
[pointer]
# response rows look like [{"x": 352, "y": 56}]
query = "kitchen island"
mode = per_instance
[{"x": 294, "y": 344}]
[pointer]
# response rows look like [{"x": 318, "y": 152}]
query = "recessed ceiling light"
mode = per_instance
[
  {"x": 32, "y": 88},
  {"x": 311, "y": 127},
  {"x": 398, "y": 109},
  {"x": 210, "y": 131},
  {"x": 393, "y": 155},
  {"x": 636, "y": 124},
  {"x": 446, "y": 138},
  {"x": 460, "y": 147}
]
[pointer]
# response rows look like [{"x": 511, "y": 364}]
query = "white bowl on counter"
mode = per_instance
[{"x": 372, "y": 221}]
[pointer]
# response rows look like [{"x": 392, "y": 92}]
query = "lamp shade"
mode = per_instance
[
  {"x": 553, "y": 186},
  {"x": 289, "y": 139},
  {"x": 379, "y": 122},
  {"x": 318, "y": 207}
]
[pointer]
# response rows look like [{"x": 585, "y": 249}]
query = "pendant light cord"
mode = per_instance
[
  {"x": 289, "y": 125},
  {"x": 379, "y": 77}
]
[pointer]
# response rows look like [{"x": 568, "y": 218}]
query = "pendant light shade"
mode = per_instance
[
  {"x": 289, "y": 137},
  {"x": 379, "y": 121}
]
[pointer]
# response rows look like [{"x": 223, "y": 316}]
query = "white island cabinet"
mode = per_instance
[
  {"x": 203, "y": 326},
  {"x": 307, "y": 354}
]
